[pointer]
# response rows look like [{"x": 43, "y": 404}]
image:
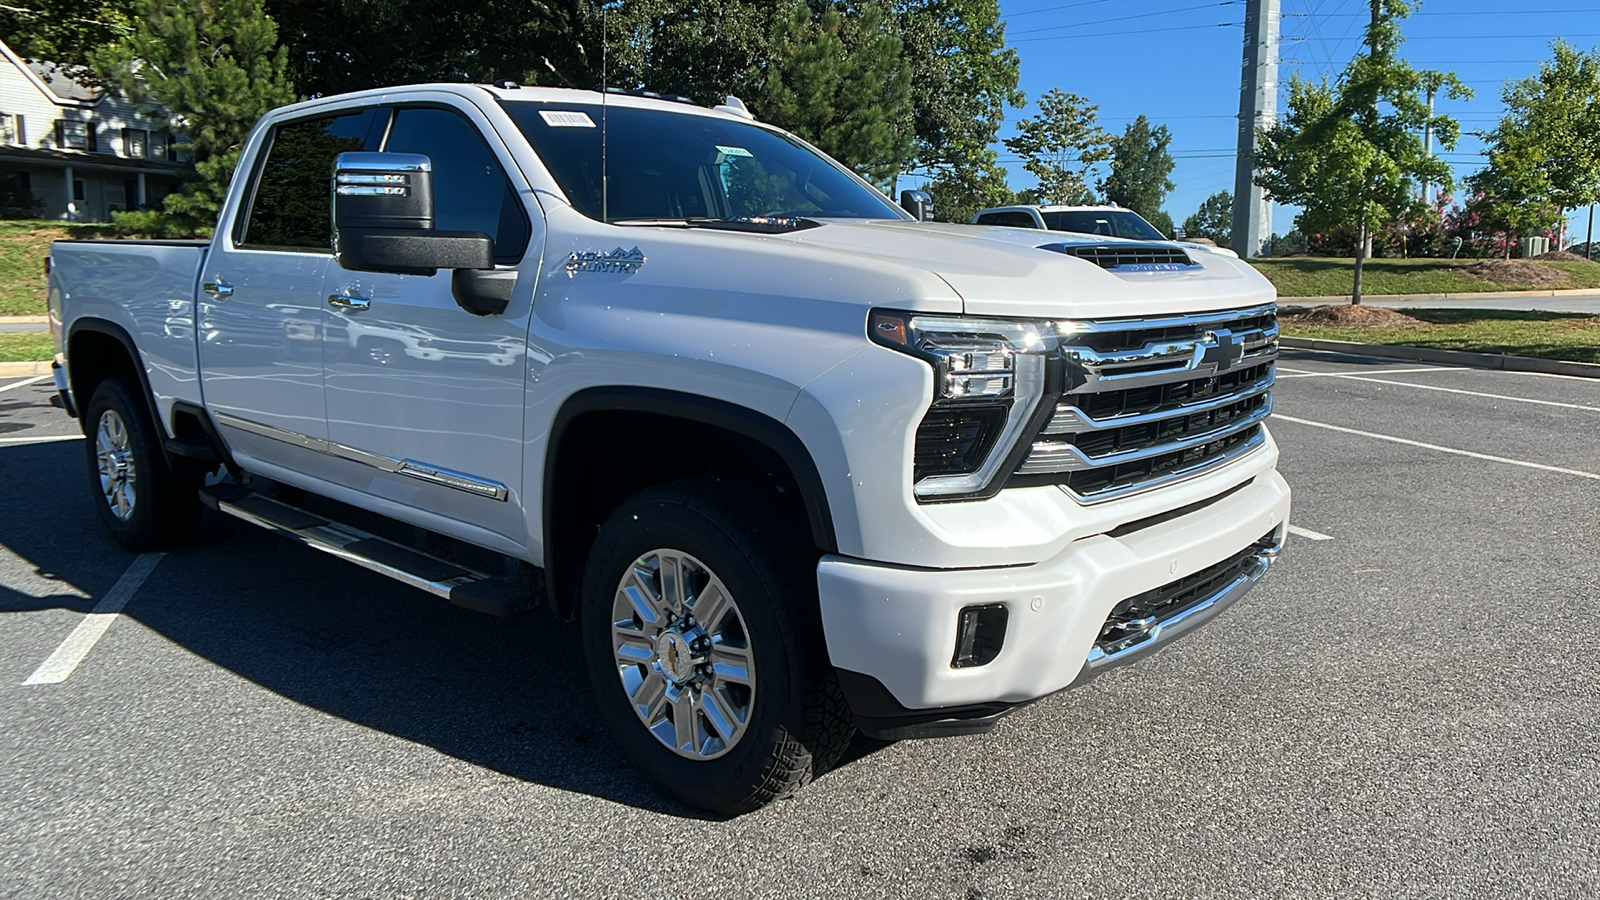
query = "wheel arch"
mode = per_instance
[
  {"x": 736, "y": 435},
  {"x": 97, "y": 349}
]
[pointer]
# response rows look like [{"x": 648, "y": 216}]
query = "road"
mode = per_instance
[{"x": 1406, "y": 707}]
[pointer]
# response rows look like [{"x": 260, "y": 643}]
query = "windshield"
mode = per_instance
[
  {"x": 668, "y": 165},
  {"x": 1109, "y": 222}
]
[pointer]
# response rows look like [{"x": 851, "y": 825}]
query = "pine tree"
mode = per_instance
[{"x": 214, "y": 65}]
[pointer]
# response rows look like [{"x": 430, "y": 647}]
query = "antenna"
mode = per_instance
[{"x": 605, "y": 176}]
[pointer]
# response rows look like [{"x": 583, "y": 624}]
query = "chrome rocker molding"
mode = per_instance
[
  {"x": 410, "y": 468},
  {"x": 1143, "y": 643}
]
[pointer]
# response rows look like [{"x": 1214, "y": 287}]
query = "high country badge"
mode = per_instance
[{"x": 617, "y": 262}]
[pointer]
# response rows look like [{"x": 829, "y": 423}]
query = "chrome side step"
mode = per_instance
[{"x": 461, "y": 585}]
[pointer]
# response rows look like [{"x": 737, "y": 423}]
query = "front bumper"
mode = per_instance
[{"x": 891, "y": 630}]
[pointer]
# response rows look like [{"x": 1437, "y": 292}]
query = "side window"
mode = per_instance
[
  {"x": 470, "y": 189},
  {"x": 1007, "y": 219},
  {"x": 291, "y": 209}
]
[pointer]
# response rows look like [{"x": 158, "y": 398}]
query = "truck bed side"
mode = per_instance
[{"x": 139, "y": 294}]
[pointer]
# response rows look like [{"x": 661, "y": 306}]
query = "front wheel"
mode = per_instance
[{"x": 704, "y": 645}]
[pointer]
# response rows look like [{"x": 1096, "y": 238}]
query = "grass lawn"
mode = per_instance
[
  {"x": 24, "y": 243},
  {"x": 1551, "y": 335},
  {"x": 26, "y": 347},
  {"x": 1319, "y": 277}
]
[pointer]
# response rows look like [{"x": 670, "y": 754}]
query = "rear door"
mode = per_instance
[
  {"x": 428, "y": 393},
  {"x": 261, "y": 308}
]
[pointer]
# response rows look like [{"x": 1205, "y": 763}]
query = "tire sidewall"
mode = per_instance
[
  {"x": 727, "y": 782},
  {"x": 142, "y": 529}
]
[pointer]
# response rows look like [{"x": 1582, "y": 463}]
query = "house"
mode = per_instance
[{"x": 75, "y": 153}]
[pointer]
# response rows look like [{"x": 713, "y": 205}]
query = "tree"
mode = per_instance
[
  {"x": 1213, "y": 220},
  {"x": 1351, "y": 154},
  {"x": 960, "y": 191},
  {"x": 1141, "y": 170},
  {"x": 843, "y": 85},
  {"x": 64, "y": 32},
  {"x": 1061, "y": 145},
  {"x": 1546, "y": 150},
  {"x": 217, "y": 67},
  {"x": 1512, "y": 194}
]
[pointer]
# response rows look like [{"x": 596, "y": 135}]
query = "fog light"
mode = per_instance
[{"x": 980, "y": 632}]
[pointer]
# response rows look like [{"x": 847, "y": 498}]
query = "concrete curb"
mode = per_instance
[
  {"x": 1471, "y": 295},
  {"x": 24, "y": 369},
  {"x": 24, "y": 320},
  {"x": 1450, "y": 357}
]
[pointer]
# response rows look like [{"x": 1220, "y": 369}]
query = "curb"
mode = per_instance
[
  {"x": 1452, "y": 357},
  {"x": 24, "y": 320},
  {"x": 1471, "y": 295},
  {"x": 24, "y": 369}
]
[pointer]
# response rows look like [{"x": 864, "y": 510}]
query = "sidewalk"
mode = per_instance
[
  {"x": 1584, "y": 301},
  {"x": 18, "y": 324}
]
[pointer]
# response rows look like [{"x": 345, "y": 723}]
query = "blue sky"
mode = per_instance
[{"x": 1178, "y": 62}]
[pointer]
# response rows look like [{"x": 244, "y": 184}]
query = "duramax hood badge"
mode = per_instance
[{"x": 617, "y": 262}]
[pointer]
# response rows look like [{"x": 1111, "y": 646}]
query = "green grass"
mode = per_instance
[
  {"x": 26, "y": 347},
  {"x": 1321, "y": 277},
  {"x": 24, "y": 243},
  {"x": 1550, "y": 335}
]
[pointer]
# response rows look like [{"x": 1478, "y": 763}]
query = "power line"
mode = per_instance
[
  {"x": 1149, "y": 15},
  {"x": 1068, "y": 37}
]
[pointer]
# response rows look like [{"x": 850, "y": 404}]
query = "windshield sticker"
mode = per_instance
[
  {"x": 617, "y": 262},
  {"x": 557, "y": 118},
  {"x": 734, "y": 151}
]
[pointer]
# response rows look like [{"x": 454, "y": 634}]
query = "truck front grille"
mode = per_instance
[{"x": 1156, "y": 400}]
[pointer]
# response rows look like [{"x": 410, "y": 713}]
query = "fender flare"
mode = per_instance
[
  {"x": 757, "y": 426},
  {"x": 120, "y": 334}
]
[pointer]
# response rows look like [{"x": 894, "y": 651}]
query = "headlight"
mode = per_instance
[{"x": 989, "y": 384}]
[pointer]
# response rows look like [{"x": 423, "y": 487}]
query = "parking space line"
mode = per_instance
[
  {"x": 1308, "y": 534},
  {"x": 23, "y": 383},
  {"x": 1305, "y": 373},
  {"x": 76, "y": 647},
  {"x": 41, "y": 439},
  {"x": 1410, "y": 443},
  {"x": 1432, "y": 387}
]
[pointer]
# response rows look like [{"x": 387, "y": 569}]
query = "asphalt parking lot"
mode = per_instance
[{"x": 1406, "y": 707}]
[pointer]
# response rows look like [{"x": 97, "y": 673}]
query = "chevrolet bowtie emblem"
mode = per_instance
[{"x": 1222, "y": 349}]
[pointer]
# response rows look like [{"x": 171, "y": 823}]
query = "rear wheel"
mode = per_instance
[
  {"x": 145, "y": 503},
  {"x": 704, "y": 645}
]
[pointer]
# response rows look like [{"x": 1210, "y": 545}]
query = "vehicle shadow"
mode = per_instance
[{"x": 511, "y": 695}]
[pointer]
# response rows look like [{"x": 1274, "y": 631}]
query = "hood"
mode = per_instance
[{"x": 1004, "y": 271}]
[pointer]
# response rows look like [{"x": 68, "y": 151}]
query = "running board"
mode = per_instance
[{"x": 462, "y": 586}]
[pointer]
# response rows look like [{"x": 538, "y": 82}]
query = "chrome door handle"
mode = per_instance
[
  {"x": 349, "y": 301},
  {"x": 219, "y": 289}
]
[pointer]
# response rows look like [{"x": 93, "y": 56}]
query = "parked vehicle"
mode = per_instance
[
  {"x": 797, "y": 462},
  {"x": 1106, "y": 221}
]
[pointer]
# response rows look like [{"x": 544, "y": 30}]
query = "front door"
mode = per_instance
[
  {"x": 430, "y": 395},
  {"x": 261, "y": 306}
]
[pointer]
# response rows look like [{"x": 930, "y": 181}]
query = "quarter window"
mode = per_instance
[{"x": 291, "y": 209}]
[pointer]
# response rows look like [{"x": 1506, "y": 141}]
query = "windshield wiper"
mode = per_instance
[{"x": 757, "y": 224}]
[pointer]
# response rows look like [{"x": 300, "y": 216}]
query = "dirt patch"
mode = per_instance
[
  {"x": 1347, "y": 316},
  {"x": 1517, "y": 272},
  {"x": 1561, "y": 256}
]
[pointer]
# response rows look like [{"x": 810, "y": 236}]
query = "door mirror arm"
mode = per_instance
[{"x": 483, "y": 292}]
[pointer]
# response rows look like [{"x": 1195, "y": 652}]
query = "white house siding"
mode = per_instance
[{"x": 109, "y": 173}]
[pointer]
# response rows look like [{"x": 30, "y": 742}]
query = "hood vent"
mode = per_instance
[{"x": 1128, "y": 256}]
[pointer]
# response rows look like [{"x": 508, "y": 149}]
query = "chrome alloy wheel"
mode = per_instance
[
  {"x": 683, "y": 654},
  {"x": 118, "y": 477}
]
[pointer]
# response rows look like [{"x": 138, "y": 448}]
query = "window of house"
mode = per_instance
[
  {"x": 74, "y": 135},
  {"x": 8, "y": 129},
  {"x": 77, "y": 188},
  {"x": 135, "y": 142},
  {"x": 158, "y": 145}
]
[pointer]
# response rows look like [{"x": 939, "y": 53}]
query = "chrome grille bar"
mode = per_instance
[{"x": 1157, "y": 400}]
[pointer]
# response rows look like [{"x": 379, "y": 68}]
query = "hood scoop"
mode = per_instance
[{"x": 1128, "y": 256}]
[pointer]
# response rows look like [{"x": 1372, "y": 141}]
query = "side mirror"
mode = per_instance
[
  {"x": 918, "y": 203},
  {"x": 383, "y": 219}
]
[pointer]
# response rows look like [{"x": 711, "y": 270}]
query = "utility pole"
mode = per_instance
[
  {"x": 1427, "y": 140},
  {"x": 1258, "y": 108}
]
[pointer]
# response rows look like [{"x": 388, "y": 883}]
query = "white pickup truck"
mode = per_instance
[{"x": 797, "y": 462}]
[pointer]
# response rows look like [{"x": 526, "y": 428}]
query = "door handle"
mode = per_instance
[
  {"x": 348, "y": 301},
  {"x": 219, "y": 289}
]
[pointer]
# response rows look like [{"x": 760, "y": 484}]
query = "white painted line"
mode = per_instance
[
  {"x": 76, "y": 647},
  {"x": 1385, "y": 437},
  {"x": 41, "y": 439},
  {"x": 1445, "y": 367},
  {"x": 23, "y": 383},
  {"x": 1309, "y": 534},
  {"x": 1301, "y": 373},
  {"x": 1430, "y": 387}
]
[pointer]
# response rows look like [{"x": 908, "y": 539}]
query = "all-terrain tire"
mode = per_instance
[{"x": 797, "y": 721}]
